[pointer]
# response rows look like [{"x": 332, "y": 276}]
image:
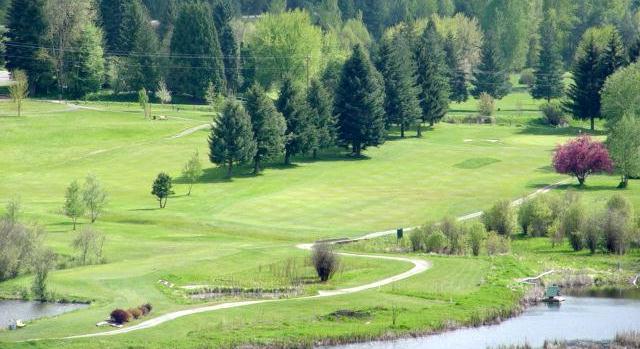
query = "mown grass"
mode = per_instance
[{"x": 231, "y": 230}]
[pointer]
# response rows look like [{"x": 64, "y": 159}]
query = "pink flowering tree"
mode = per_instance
[{"x": 581, "y": 157}]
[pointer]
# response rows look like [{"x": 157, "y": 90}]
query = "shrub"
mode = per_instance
[
  {"x": 618, "y": 224},
  {"x": 417, "y": 238},
  {"x": 476, "y": 237},
  {"x": 455, "y": 235},
  {"x": 527, "y": 77},
  {"x": 593, "y": 232},
  {"x": 572, "y": 225},
  {"x": 136, "y": 313},
  {"x": 500, "y": 218},
  {"x": 553, "y": 114},
  {"x": 325, "y": 261},
  {"x": 120, "y": 316},
  {"x": 146, "y": 308},
  {"x": 486, "y": 104},
  {"x": 436, "y": 242},
  {"x": 541, "y": 216},
  {"x": 497, "y": 244}
]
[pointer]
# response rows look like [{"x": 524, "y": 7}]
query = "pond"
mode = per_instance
[
  {"x": 594, "y": 316},
  {"x": 11, "y": 310}
]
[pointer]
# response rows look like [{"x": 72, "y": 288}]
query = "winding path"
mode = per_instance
[{"x": 419, "y": 266}]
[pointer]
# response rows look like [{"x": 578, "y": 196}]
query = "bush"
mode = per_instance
[
  {"x": 325, "y": 261},
  {"x": 136, "y": 313},
  {"x": 120, "y": 316},
  {"x": 417, "y": 238},
  {"x": 476, "y": 237},
  {"x": 497, "y": 244},
  {"x": 593, "y": 232},
  {"x": 527, "y": 77},
  {"x": 618, "y": 224},
  {"x": 541, "y": 216},
  {"x": 486, "y": 104},
  {"x": 572, "y": 225},
  {"x": 146, "y": 308},
  {"x": 454, "y": 233},
  {"x": 500, "y": 218},
  {"x": 436, "y": 242},
  {"x": 553, "y": 114}
]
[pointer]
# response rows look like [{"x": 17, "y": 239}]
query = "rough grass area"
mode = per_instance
[{"x": 242, "y": 232}]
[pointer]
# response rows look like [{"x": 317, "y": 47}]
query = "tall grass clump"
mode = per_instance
[{"x": 325, "y": 261}]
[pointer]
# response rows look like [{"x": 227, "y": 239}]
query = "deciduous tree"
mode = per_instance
[
  {"x": 19, "y": 90},
  {"x": 161, "y": 188},
  {"x": 192, "y": 171},
  {"x": 582, "y": 157},
  {"x": 94, "y": 197},
  {"x": 73, "y": 205},
  {"x": 624, "y": 146}
]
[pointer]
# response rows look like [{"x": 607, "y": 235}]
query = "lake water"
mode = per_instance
[
  {"x": 26, "y": 310},
  {"x": 588, "y": 317}
]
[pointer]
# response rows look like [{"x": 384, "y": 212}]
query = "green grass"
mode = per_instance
[{"x": 240, "y": 231}]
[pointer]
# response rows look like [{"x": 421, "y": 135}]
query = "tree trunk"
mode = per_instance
[
  {"x": 230, "y": 169},
  {"x": 190, "y": 187},
  {"x": 160, "y": 201},
  {"x": 256, "y": 166},
  {"x": 74, "y": 223},
  {"x": 593, "y": 123},
  {"x": 419, "y": 130},
  {"x": 315, "y": 153},
  {"x": 581, "y": 180},
  {"x": 431, "y": 123},
  {"x": 402, "y": 131},
  {"x": 287, "y": 158}
]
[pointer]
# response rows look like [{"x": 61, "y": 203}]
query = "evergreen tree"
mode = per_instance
[
  {"x": 269, "y": 126},
  {"x": 432, "y": 76},
  {"x": 322, "y": 120},
  {"x": 197, "y": 58},
  {"x": 222, "y": 15},
  {"x": 584, "y": 93},
  {"x": 292, "y": 105},
  {"x": 87, "y": 73},
  {"x": 231, "y": 141},
  {"x": 398, "y": 68},
  {"x": 491, "y": 76},
  {"x": 142, "y": 66},
  {"x": 117, "y": 21},
  {"x": 26, "y": 24},
  {"x": 613, "y": 57},
  {"x": 359, "y": 104},
  {"x": 457, "y": 75},
  {"x": 548, "y": 82}
]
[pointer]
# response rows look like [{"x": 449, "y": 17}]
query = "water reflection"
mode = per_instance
[{"x": 26, "y": 310}]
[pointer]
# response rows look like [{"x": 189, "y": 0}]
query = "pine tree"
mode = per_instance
[
  {"x": 87, "y": 73},
  {"x": 222, "y": 15},
  {"x": 26, "y": 33},
  {"x": 292, "y": 105},
  {"x": 398, "y": 68},
  {"x": 457, "y": 75},
  {"x": 613, "y": 57},
  {"x": 491, "y": 76},
  {"x": 231, "y": 141},
  {"x": 548, "y": 82},
  {"x": 432, "y": 76},
  {"x": 117, "y": 19},
  {"x": 142, "y": 65},
  {"x": 322, "y": 120},
  {"x": 359, "y": 104},
  {"x": 197, "y": 57},
  {"x": 269, "y": 126},
  {"x": 584, "y": 93}
]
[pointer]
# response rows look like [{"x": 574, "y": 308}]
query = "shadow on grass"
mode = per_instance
[
  {"x": 577, "y": 187},
  {"x": 538, "y": 128},
  {"x": 219, "y": 174}
]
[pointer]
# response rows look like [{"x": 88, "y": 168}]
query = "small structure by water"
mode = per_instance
[{"x": 552, "y": 295}]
